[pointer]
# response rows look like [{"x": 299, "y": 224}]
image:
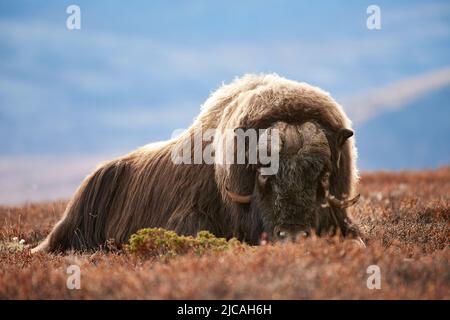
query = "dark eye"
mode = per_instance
[
  {"x": 262, "y": 180},
  {"x": 323, "y": 184},
  {"x": 325, "y": 179}
]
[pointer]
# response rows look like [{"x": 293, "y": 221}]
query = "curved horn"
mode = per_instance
[
  {"x": 239, "y": 198},
  {"x": 342, "y": 203},
  {"x": 332, "y": 201}
]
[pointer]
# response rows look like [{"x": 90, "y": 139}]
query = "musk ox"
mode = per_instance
[{"x": 310, "y": 191}]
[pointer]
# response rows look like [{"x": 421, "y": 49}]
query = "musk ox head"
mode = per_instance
[{"x": 299, "y": 197}]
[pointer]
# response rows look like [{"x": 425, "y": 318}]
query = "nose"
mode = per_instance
[
  {"x": 282, "y": 234},
  {"x": 289, "y": 234}
]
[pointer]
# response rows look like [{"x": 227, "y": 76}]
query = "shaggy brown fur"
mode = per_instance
[{"x": 146, "y": 189}]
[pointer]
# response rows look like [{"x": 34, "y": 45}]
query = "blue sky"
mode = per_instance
[{"x": 137, "y": 71}]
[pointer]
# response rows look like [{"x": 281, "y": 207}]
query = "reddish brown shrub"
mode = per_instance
[{"x": 404, "y": 218}]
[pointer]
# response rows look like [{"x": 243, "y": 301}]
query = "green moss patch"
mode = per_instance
[
  {"x": 157, "y": 242},
  {"x": 12, "y": 246}
]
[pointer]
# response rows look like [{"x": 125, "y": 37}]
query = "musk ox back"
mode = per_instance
[{"x": 310, "y": 189}]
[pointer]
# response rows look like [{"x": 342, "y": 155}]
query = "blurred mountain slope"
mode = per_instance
[{"x": 415, "y": 136}]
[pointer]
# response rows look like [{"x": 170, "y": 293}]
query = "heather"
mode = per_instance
[{"x": 404, "y": 219}]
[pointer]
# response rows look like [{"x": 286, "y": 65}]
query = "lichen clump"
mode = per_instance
[
  {"x": 12, "y": 246},
  {"x": 158, "y": 242}
]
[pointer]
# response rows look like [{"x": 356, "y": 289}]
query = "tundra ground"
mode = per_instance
[{"x": 404, "y": 218}]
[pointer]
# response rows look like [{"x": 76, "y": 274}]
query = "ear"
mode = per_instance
[{"x": 342, "y": 136}]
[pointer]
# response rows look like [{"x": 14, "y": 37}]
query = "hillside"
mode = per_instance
[
  {"x": 413, "y": 137},
  {"x": 404, "y": 218}
]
